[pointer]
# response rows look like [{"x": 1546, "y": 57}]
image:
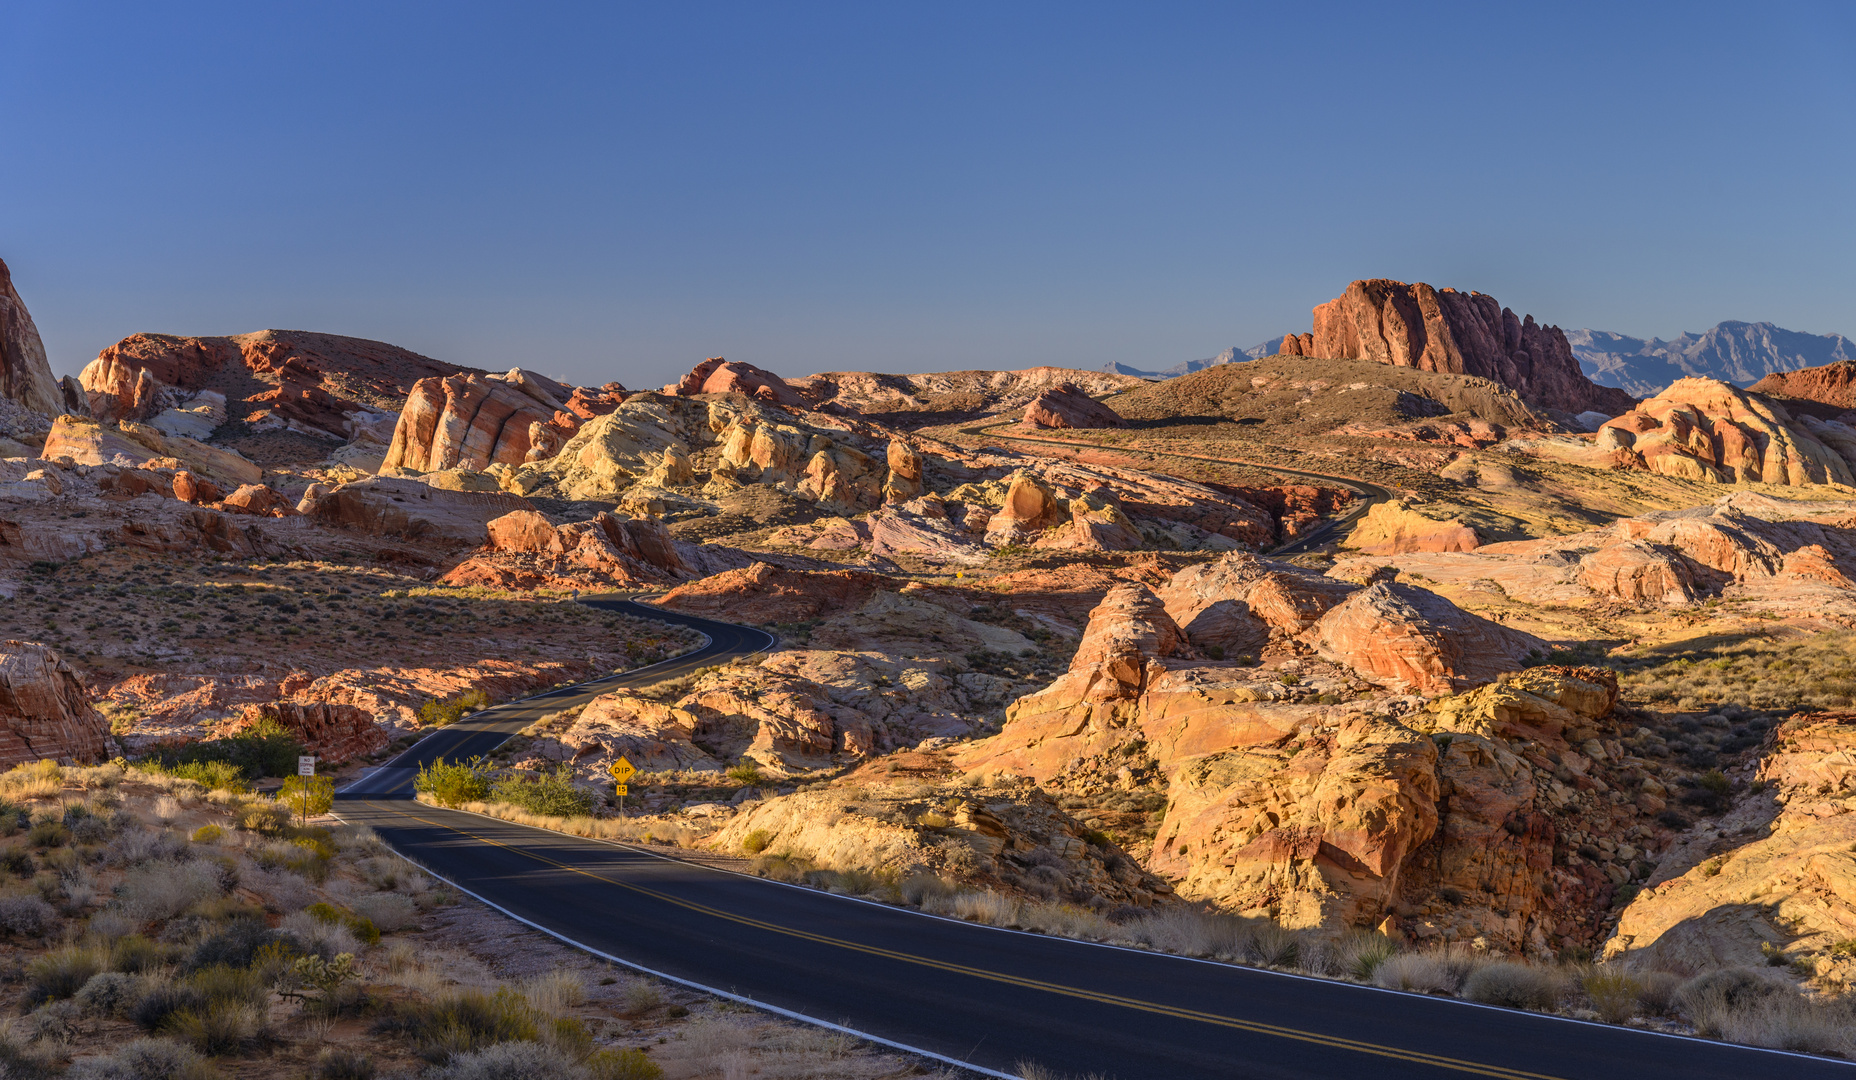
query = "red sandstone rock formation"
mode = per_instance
[
  {"x": 25, "y": 376},
  {"x": 1066, "y": 406},
  {"x": 333, "y": 732},
  {"x": 1464, "y": 333},
  {"x": 1701, "y": 429},
  {"x": 1416, "y": 641},
  {"x": 763, "y": 594},
  {"x": 408, "y": 509},
  {"x": 45, "y": 711},
  {"x": 1831, "y": 384},
  {"x": 718, "y": 376},
  {"x": 313, "y": 382}
]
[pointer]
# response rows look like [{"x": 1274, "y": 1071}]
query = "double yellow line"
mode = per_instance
[{"x": 1233, "y": 1023}]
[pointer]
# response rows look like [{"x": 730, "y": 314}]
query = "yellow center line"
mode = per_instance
[{"x": 1250, "y": 1026}]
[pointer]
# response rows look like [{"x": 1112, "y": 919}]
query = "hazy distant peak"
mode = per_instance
[{"x": 1733, "y": 351}]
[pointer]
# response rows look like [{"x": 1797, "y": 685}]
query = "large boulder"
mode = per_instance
[
  {"x": 45, "y": 709},
  {"x": 1393, "y": 528},
  {"x": 1240, "y": 602},
  {"x": 409, "y": 510},
  {"x": 1066, "y": 406},
  {"x": 768, "y": 594},
  {"x": 25, "y": 375},
  {"x": 718, "y": 376},
  {"x": 473, "y": 421},
  {"x": 129, "y": 443},
  {"x": 1413, "y": 640},
  {"x": 1462, "y": 333}
]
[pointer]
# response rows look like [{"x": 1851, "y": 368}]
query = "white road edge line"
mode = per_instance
[
  {"x": 692, "y": 984},
  {"x": 1338, "y": 983}
]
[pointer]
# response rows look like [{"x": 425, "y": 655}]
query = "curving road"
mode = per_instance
[
  {"x": 978, "y": 996},
  {"x": 1371, "y": 494}
]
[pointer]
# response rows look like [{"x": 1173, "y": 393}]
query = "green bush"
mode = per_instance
[
  {"x": 437, "y": 713},
  {"x": 59, "y": 974},
  {"x": 756, "y": 842},
  {"x": 208, "y": 834},
  {"x": 463, "y": 1021},
  {"x": 454, "y": 783},
  {"x": 267, "y": 748},
  {"x": 626, "y": 1064},
  {"x": 307, "y": 796},
  {"x": 360, "y": 926},
  {"x": 555, "y": 795},
  {"x": 48, "y": 834},
  {"x": 747, "y": 772}
]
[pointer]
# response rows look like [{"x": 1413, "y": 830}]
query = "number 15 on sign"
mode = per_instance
[{"x": 621, "y": 771}]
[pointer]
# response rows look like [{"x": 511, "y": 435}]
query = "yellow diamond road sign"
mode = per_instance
[{"x": 622, "y": 770}]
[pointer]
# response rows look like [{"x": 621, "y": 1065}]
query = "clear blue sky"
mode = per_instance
[{"x": 611, "y": 190}]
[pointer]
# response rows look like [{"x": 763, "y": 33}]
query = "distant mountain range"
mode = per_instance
[{"x": 1735, "y": 352}]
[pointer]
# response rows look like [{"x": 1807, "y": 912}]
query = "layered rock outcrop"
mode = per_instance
[
  {"x": 525, "y": 550},
  {"x": 1778, "y": 875},
  {"x": 315, "y": 384},
  {"x": 1466, "y": 333},
  {"x": 473, "y": 421},
  {"x": 334, "y": 732},
  {"x": 45, "y": 710},
  {"x": 1832, "y": 385},
  {"x": 768, "y": 594},
  {"x": 408, "y": 509},
  {"x": 1413, "y": 640},
  {"x": 1394, "y": 528},
  {"x": 718, "y": 376},
  {"x": 133, "y": 444},
  {"x": 1701, "y": 429},
  {"x": 25, "y": 375},
  {"x": 1066, "y": 406}
]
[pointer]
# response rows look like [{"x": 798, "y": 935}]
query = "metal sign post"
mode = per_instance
[
  {"x": 621, "y": 771},
  {"x": 305, "y": 766}
]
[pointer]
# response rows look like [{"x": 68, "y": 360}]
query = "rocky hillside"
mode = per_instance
[
  {"x": 910, "y": 402},
  {"x": 1732, "y": 352},
  {"x": 1825, "y": 391},
  {"x": 1708, "y": 430},
  {"x": 1460, "y": 333}
]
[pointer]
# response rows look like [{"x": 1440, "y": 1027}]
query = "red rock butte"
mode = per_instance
[{"x": 1458, "y": 333}]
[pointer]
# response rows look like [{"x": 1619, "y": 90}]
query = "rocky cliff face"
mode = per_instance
[
  {"x": 1465, "y": 333},
  {"x": 1832, "y": 385},
  {"x": 1701, "y": 429},
  {"x": 45, "y": 710},
  {"x": 25, "y": 376},
  {"x": 316, "y": 384}
]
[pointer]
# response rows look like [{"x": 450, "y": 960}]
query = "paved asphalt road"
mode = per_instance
[
  {"x": 1371, "y": 494},
  {"x": 977, "y": 995}
]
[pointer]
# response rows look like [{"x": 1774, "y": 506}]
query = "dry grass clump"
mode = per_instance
[
  {"x": 636, "y": 830},
  {"x": 1515, "y": 986},
  {"x": 1814, "y": 671}
]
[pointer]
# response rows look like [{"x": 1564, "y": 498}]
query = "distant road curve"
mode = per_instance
[
  {"x": 976, "y": 996},
  {"x": 1371, "y": 494}
]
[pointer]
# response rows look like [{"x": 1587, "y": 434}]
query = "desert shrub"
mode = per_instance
[
  {"x": 1656, "y": 991},
  {"x": 134, "y": 954},
  {"x": 386, "y": 910},
  {"x": 555, "y": 992},
  {"x": 1359, "y": 956},
  {"x": 307, "y": 796},
  {"x": 1513, "y": 986},
  {"x": 626, "y": 1064},
  {"x": 88, "y": 826},
  {"x": 266, "y": 818},
  {"x": 511, "y": 1061},
  {"x": 219, "y": 1027},
  {"x": 1437, "y": 972},
  {"x": 1272, "y": 946},
  {"x": 335, "y": 1063},
  {"x": 325, "y": 939},
  {"x": 60, "y": 973},
  {"x": 161, "y": 999},
  {"x": 107, "y": 993},
  {"x": 919, "y": 887},
  {"x": 264, "y": 749},
  {"x": 234, "y": 946},
  {"x": 453, "y": 783},
  {"x": 144, "y": 1059},
  {"x": 305, "y": 855},
  {"x": 17, "y": 861},
  {"x": 26, "y": 916},
  {"x": 746, "y": 772},
  {"x": 207, "y": 834},
  {"x": 463, "y": 1021},
  {"x": 438, "y": 712},
  {"x": 362, "y": 928},
  {"x": 1709, "y": 999},
  {"x": 1784, "y": 1021},
  {"x": 1615, "y": 994},
  {"x": 164, "y": 890},
  {"x": 641, "y": 997},
  {"x": 19, "y": 1063},
  {"x": 1191, "y": 933},
  {"x": 48, "y": 834},
  {"x": 555, "y": 795},
  {"x": 756, "y": 841},
  {"x": 143, "y": 846},
  {"x": 1065, "y": 920}
]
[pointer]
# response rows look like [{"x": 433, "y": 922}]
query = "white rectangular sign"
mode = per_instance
[{"x": 306, "y": 766}]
